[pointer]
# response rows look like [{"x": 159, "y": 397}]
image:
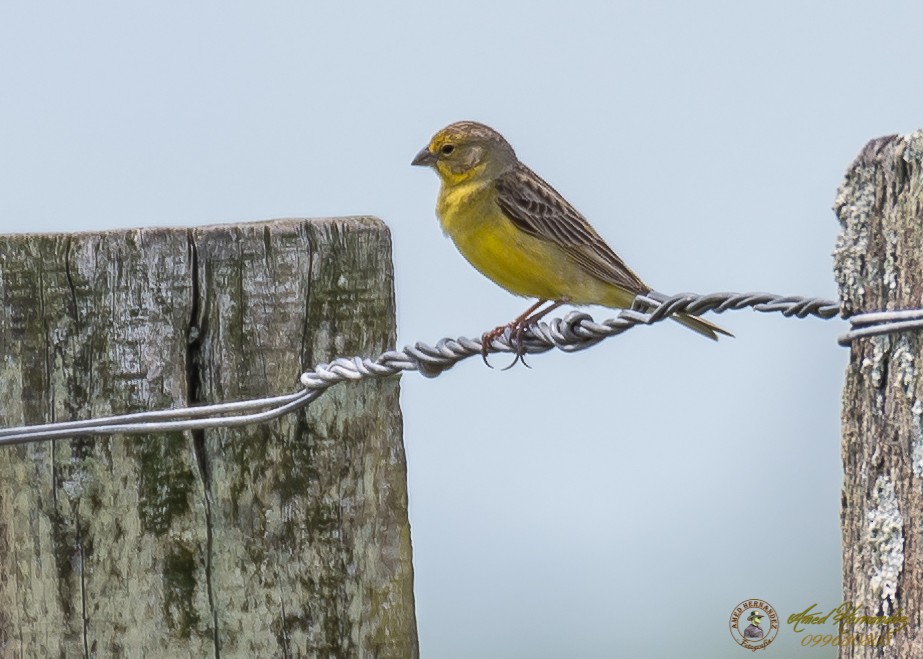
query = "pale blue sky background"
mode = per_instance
[{"x": 618, "y": 502}]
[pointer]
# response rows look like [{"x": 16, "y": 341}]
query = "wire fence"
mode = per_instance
[{"x": 575, "y": 331}]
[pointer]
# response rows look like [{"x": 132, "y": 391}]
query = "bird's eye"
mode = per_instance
[{"x": 447, "y": 149}]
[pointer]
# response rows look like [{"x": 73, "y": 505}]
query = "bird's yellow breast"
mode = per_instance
[{"x": 521, "y": 263}]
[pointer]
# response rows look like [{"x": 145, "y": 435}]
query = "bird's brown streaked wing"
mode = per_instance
[{"x": 537, "y": 209}]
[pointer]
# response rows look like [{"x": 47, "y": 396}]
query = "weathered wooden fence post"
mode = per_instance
[
  {"x": 284, "y": 539},
  {"x": 879, "y": 266}
]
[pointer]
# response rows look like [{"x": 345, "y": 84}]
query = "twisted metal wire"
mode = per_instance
[{"x": 575, "y": 331}]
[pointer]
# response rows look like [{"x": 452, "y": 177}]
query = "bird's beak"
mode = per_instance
[{"x": 424, "y": 159}]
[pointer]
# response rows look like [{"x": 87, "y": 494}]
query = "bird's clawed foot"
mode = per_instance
[{"x": 517, "y": 328}]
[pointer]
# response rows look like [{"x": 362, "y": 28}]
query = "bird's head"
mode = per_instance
[{"x": 467, "y": 151}]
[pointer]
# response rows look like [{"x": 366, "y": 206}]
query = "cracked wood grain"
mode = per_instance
[{"x": 284, "y": 539}]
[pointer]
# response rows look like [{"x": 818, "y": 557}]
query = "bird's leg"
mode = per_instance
[{"x": 517, "y": 327}]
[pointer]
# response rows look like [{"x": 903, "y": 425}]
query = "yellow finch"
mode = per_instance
[{"x": 520, "y": 232}]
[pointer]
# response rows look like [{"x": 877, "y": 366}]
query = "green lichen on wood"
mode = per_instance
[
  {"x": 181, "y": 570},
  {"x": 167, "y": 487}
]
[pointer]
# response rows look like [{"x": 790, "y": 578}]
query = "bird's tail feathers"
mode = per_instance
[
  {"x": 696, "y": 324},
  {"x": 701, "y": 326}
]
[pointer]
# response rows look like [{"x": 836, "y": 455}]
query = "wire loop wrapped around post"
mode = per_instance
[{"x": 876, "y": 323}]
